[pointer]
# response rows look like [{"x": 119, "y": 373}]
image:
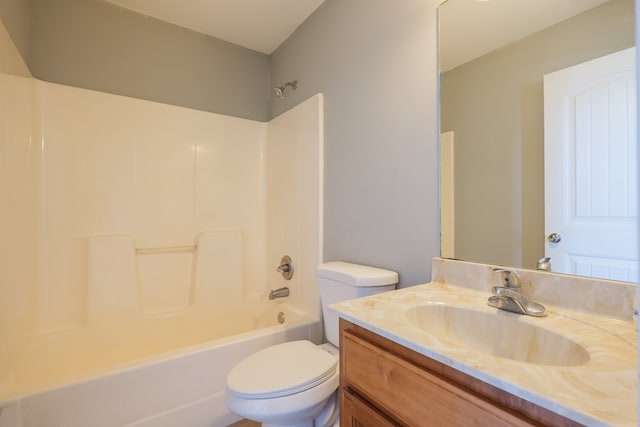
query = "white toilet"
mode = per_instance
[{"x": 295, "y": 384}]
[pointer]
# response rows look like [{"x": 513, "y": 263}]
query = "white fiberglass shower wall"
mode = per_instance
[
  {"x": 125, "y": 218},
  {"x": 149, "y": 200}
]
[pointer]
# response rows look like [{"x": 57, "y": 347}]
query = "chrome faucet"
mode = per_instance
[
  {"x": 279, "y": 293},
  {"x": 544, "y": 264},
  {"x": 509, "y": 296}
]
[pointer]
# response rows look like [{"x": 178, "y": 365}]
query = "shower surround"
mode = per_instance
[{"x": 133, "y": 229}]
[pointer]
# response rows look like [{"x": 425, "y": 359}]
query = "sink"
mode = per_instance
[{"x": 497, "y": 333}]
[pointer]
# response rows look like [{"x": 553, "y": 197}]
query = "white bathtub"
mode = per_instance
[{"x": 82, "y": 379}]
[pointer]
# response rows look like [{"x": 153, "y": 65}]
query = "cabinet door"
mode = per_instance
[
  {"x": 412, "y": 395},
  {"x": 355, "y": 412}
]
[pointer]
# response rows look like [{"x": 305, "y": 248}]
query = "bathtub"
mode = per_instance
[{"x": 157, "y": 374}]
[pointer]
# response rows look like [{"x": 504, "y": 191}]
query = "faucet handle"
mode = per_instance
[
  {"x": 511, "y": 277},
  {"x": 286, "y": 267}
]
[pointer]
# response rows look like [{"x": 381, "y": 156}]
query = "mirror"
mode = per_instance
[{"x": 493, "y": 56}]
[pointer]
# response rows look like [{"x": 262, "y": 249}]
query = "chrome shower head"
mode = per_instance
[{"x": 279, "y": 90}]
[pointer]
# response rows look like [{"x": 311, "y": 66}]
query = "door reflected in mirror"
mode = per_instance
[{"x": 493, "y": 62}]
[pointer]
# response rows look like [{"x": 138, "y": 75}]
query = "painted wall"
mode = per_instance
[
  {"x": 16, "y": 17},
  {"x": 375, "y": 62},
  {"x": 494, "y": 104},
  {"x": 96, "y": 45}
]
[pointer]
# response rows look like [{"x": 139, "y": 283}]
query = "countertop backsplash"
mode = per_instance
[{"x": 603, "y": 297}]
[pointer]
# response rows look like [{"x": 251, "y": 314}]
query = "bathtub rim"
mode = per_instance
[{"x": 302, "y": 319}]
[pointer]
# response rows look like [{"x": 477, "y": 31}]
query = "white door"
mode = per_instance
[
  {"x": 447, "y": 208},
  {"x": 590, "y": 157}
]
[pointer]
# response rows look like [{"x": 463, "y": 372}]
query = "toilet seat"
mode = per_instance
[{"x": 282, "y": 370}]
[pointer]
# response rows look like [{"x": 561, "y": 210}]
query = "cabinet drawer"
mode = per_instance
[
  {"x": 357, "y": 413},
  {"x": 412, "y": 395}
]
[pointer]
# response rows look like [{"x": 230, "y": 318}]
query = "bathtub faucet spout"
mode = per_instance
[{"x": 279, "y": 293}]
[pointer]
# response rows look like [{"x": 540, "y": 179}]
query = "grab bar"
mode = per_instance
[{"x": 166, "y": 249}]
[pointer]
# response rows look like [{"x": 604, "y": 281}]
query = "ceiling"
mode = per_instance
[
  {"x": 260, "y": 25},
  {"x": 472, "y": 28}
]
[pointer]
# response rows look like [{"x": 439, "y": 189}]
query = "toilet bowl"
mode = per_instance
[
  {"x": 295, "y": 384},
  {"x": 274, "y": 388}
]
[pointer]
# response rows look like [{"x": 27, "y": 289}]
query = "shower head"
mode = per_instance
[{"x": 279, "y": 90}]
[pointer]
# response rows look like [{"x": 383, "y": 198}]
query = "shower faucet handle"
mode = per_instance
[{"x": 286, "y": 267}]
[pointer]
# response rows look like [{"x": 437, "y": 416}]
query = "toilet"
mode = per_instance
[{"x": 295, "y": 384}]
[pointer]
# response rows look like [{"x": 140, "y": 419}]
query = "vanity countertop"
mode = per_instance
[{"x": 600, "y": 392}]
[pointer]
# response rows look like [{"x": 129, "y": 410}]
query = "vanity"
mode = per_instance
[{"x": 437, "y": 354}]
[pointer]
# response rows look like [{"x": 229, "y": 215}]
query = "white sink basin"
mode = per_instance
[{"x": 497, "y": 333}]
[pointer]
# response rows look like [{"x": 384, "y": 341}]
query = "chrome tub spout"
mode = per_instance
[{"x": 279, "y": 293}]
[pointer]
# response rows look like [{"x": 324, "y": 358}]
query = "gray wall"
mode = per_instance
[
  {"x": 376, "y": 63},
  {"x": 95, "y": 45},
  {"x": 16, "y": 16},
  {"x": 495, "y": 107}
]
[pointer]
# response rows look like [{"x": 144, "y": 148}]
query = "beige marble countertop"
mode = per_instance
[{"x": 599, "y": 392}]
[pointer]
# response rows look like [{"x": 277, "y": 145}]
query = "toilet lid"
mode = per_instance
[{"x": 281, "y": 370}]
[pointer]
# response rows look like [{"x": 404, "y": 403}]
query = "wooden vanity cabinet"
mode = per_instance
[{"x": 384, "y": 384}]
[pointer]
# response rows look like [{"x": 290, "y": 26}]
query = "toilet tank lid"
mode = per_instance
[{"x": 356, "y": 275}]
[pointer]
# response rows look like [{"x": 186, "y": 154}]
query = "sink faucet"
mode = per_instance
[{"x": 509, "y": 296}]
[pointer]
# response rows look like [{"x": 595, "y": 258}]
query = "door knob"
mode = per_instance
[{"x": 554, "y": 238}]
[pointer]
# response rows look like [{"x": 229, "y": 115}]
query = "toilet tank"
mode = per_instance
[{"x": 341, "y": 281}]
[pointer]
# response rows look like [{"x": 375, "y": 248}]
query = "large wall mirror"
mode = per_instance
[{"x": 494, "y": 56}]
